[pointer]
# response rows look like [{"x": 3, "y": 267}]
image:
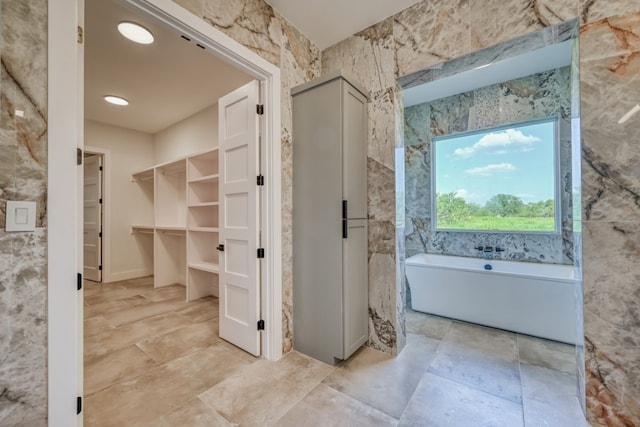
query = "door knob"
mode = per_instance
[{"x": 220, "y": 248}]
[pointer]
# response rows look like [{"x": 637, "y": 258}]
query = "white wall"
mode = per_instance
[
  {"x": 131, "y": 151},
  {"x": 192, "y": 135}
]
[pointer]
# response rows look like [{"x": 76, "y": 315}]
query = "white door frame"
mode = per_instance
[
  {"x": 106, "y": 209},
  {"x": 65, "y": 110}
]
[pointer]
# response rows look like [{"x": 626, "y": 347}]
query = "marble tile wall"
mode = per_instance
[
  {"x": 23, "y": 172},
  {"x": 538, "y": 96},
  {"x": 610, "y": 86},
  {"x": 430, "y": 33}
]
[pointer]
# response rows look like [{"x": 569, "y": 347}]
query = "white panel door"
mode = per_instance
[
  {"x": 238, "y": 125},
  {"x": 92, "y": 245}
]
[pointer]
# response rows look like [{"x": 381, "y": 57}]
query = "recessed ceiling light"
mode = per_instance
[
  {"x": 629, "y": 114},
  {"x": 135, "y": 32},
  {"x": 116, "y": 100}
]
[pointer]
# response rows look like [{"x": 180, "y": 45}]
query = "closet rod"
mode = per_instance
[
  {"x": 171, "y": 172},
  {"x": 173, "y": 233},
  {"x": 134, "y": 231},
  {"x": 146, "y": 178}
]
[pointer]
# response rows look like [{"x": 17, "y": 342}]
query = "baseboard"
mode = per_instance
[{"x": 127, "y": 275}]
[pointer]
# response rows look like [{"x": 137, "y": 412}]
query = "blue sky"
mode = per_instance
[{"x": 517, "y": 160}]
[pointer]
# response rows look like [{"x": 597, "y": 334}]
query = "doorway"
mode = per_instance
[
  {"x": 455, "y": 218},
  {"x": 93, "y": 216},
  {"x": 63, "y": 67}
]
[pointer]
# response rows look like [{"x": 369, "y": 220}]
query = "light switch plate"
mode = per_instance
[{"x": 21, "y": 216}]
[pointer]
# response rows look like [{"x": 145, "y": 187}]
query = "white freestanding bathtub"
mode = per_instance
[{"x": 529, "y": 298}]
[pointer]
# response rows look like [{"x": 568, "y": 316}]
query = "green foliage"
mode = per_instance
[
  {"x": 504, "y": 205},
  {"x": 502, "y": 212},
  {"x": 452, "y": 209}
]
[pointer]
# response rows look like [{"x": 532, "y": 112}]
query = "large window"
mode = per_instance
[{"x": 498, "y": 179}]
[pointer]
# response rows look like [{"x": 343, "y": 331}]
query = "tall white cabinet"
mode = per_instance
[
  {"x": 330, "y": 286},
  {"x": 185, "y": 222}
]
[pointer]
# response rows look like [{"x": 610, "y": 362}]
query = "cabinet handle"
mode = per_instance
[
  {"x": 220, "y": 248},
  {"x": 345, "y": 223}
]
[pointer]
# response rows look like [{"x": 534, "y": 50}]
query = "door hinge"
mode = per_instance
[
  {"x": 260, "y": 252},
  {"x": 100, "y": 200},
  {"x": 79, "y": 281},
  {"x": 260, "y": 180},
  {"x": 100, "y": 234},
  {"x": 78, "y": 405},
  {"x": 100, "y": 267},
  {"x": 80, "y": 34},
  {"x": 260, "y": 109},
  {"x": 261, "y": 325},
  {"x": 100, "y": 168},
  {"x": 78, "y": 156}
]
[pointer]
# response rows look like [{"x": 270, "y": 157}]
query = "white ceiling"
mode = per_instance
[
  {"x": 164, "y": 82},
  {"x": 326, "y": 22}
]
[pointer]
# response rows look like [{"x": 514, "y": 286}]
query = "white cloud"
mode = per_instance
[
  {"x": 464, "y": 152},
  {"x": 462, "y": 193},
  {"x": 498, "y": 143},
  {"x": 490, "y": 170},
  {"x": 468, "y": 195}
]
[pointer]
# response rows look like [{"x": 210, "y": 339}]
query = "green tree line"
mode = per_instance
[{"x": 452, "y": 209}]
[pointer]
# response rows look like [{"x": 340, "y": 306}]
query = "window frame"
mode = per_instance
[{"x": 557, "y": 205}]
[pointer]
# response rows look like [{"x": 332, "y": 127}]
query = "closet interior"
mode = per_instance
[{"x": 184, "y": 195}]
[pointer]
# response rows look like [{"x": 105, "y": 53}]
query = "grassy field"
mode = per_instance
[{"x": 497, "y": 223}]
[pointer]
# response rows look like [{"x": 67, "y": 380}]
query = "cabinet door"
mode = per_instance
[
  {"x": 355, "y": 287},
  {"x": 354, "y": 149}
]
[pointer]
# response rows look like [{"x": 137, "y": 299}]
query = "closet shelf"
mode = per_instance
[
  {"x": 205, "y": 266},
  {"x": 176, "y": 228},
  {"x": 203, "y": 204},
  {"x": 177, "y": 167},
  {"x": 144, "y": 175},
  {"x": 142, "y": 229},
  {"x": 205, "y": 179},
  {"x": 205, "y": 229}
]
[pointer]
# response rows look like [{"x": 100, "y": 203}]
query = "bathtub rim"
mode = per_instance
[{"x": 569, "y": 268}]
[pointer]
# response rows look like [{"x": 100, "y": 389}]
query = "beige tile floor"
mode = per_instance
[{"x": 152, "y": 359}]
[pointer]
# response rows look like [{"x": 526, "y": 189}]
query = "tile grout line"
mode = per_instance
[
  {"x": 426, "y": 371},
  {"x": 520, "y": 374},
  {"x": 301, "y": 398},
  {"x": 127, "y": 378},
  {"x": 471, "y": 386},
  {"x": 231, "y": 423}
]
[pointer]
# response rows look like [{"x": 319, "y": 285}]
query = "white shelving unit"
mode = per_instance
[
  {"x": 202, "y": 206},
  {"x": 184, "y": 195}
]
